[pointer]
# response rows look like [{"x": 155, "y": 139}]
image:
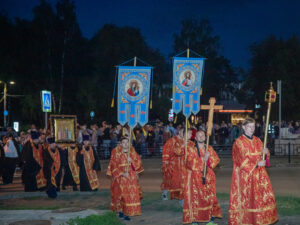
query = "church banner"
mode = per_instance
[
  {"x": 133, "y": 95},
  {"x": 187, "y": 82}
]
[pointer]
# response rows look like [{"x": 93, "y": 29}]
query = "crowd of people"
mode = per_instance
[
  {"x": 46, "y": 165},
  {"x": 148, "y": 140}
]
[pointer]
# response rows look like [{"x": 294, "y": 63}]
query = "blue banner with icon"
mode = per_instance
[
  {"x": 187, "y": 83},
  {"x": 133, "y": 95}
]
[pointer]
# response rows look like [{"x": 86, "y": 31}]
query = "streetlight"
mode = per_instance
[{"x": 5, "y": 113}]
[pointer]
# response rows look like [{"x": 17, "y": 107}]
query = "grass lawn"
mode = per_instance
[
  {"x": 107, "y": 218},
  {"x": 288, "y": 205}
]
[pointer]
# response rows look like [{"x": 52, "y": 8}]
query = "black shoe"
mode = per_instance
[
  {"x": 121, "y": 215},
  {"x": 126, "y": 218},
  {"x": 75, "y": 188},
  {"x": 64, "y": 187}
]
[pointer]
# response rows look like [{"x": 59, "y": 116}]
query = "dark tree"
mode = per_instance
[{"x": 275, "y": 59}]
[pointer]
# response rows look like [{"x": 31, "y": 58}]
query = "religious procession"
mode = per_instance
[{"x": 53, "y": 159}]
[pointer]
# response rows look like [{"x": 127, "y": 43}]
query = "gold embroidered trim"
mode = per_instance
[
  {"x": 255, "y": 210},
  {"x": 132, "y": 204}
]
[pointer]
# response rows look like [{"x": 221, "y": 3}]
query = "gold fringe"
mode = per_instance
[
  {"x": 123, "y": 131},
  {"x": 175, "y": 120},
  {"x": 201, "y": 92},
  {"x": 151, "y": 104},
  {"x": 112, "y": 103}
]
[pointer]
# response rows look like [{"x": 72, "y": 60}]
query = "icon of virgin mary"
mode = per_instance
[{"x": 133, "y": 89}]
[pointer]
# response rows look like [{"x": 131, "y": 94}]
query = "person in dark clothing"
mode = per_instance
[
  {"x": 223, "y": 133},
  {"x": 52, "y": 168},
  {"x": 2, "y": 154},
  {"x": 258, "y": 130},
  {"x": 88, "y": 162},
  {"x": 11, "y": 158},
  {"x": 71, "y": 169},
  {"x": 106, "y": 140},
  {"x": 32, "y": 173},
  {"x": 150, "y": 140}
]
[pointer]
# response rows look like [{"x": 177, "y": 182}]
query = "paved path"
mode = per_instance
[
  {"x": 42, "y": 217},
  {"x": 284, "y": 178}
]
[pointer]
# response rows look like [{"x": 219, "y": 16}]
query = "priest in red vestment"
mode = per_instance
[
  {"x": 252, "y": 199},
  {"x": 124, "y": 168},
  {"x": 200, "y": 200},
  {"x": 173, "y": 167}
]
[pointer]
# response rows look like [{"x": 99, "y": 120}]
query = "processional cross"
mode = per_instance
[{"x": 211, "y": 107}]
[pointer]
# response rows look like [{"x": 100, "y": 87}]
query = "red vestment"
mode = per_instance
[
  {"x": 73, "y": 165},
  {"x": 174, "y": 170},
  {"x": 200, "y": 201},
  {"x": 38, "y": 156},
  {"x": 252, "y": 199},
  {"x": 55, "y": 167},
  {"x": 125, "y": 192},
  {"x": 89, "y": 159}
]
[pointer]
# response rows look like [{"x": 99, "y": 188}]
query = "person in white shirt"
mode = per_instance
[{"x": 11, "y": 156}]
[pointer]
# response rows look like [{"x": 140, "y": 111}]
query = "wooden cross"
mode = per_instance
[{"x": 211, "y": 107}]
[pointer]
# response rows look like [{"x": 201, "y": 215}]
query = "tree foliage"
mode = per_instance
[
  {"x": 49, "y": 52},
  {"x": 276, "y": 59}
]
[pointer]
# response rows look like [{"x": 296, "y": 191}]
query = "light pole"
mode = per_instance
[{"x": 4, "y": 99}]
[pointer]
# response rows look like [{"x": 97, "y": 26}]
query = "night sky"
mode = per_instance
[{"x": 239, "y": 23}]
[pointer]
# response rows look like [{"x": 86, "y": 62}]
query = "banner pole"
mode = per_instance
[{"x": 186, "y": 119}]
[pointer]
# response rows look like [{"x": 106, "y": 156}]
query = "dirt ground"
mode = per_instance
[{"x": 284, "y": 178}]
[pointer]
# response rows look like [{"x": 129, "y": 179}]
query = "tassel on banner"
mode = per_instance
[
  {"x": 173, "y": 91},
  {"x": 188, "y": 124},
  {"x": 123, "y": 131},
  {"x": 112, "y": 103},
  {"x": 144, "y": 132},
  {"x": 151, "y": 90},
  {"x": 175, "y": 120},
  {"x": 192, "y": 118},
  {"x": 114, "y": 92},
  {"x": 201, "y": 91},
  {"x": 133, "y": 135}
]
